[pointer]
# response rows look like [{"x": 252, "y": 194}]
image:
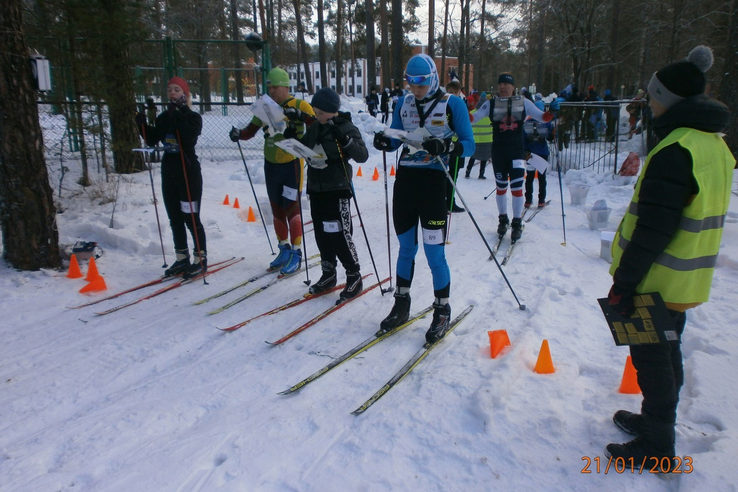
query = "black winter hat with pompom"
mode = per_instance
[{"x": 681, "y": 79}]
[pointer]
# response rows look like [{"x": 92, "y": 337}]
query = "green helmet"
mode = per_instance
[{"x": 278, "y": 78}]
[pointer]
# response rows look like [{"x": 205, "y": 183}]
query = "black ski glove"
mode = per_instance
[
  {"x": 621, "y": 301},
  {"x": 294, "y": 114},
  {"x": 290, "y": 132},
  {"x": 337, "y": 134},
  {"x": 234, "y": 134},
  {"x": 382, "y": 142}
]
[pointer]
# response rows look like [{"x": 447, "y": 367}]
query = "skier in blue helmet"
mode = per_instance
[{"x": 419, "y": 195}]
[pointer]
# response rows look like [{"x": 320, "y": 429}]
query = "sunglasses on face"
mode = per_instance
[{"x": 417, "y": 79}]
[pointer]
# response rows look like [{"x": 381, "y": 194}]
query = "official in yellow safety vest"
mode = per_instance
[{"x": 668, "y": 241}]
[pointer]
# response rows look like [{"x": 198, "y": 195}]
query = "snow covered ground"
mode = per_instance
[{"x": 155, "y": 398}]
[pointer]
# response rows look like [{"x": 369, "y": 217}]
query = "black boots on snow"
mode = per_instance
[
  {"x": 400, "y": 314},
  {"x": 354, "y": 286},
  {"x": 654, "y": 441},
  {"x": 181, "y": 265},
  {"x": 198, "y": 267},
  {"x": 629, "y": 422},
  {"x": 441, "y": 322},
  {"x": 502, "y": 227},
  {"x": 327, "y": 280},
  {"x": 517, "y": 229}
]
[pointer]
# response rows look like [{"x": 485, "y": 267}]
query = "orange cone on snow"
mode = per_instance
[
  {"x": 92, "y": 272},
  {"x": 498, "y": 340},
  {"x": 252, "y": 217},
  {"x": 375, "y": 177},
  {"x": 97, "y": 284},
  {"x": 629, "y": 384},
  {"x": 544, "y": 365},
  {"x": 226, "y": 201},
  {"x": 235, "y": 203},
  {"x": 392, "y": 171},
  {"x": 74, "y": 271},
  {"x": 358, "y": 173}
]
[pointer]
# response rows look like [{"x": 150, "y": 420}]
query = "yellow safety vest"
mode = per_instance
[
  {"x": 482, "y": 130},
  {"x": 682, "y": 274}
]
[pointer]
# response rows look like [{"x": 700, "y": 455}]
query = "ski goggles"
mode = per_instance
[{"x": 418, "y": 79}]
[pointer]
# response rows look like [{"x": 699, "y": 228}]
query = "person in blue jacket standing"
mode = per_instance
[{"x": 434, "y": 117}]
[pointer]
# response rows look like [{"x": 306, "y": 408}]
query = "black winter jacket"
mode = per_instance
[
  {"x": 336, "y": 177},
  {"x": 184, "y": 121},
  {"x": 667, "y": 188}
]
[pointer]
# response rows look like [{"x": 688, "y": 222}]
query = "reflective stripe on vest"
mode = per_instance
[{"x": 683, "y": 272}]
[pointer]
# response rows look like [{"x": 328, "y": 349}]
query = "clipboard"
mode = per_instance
[
  {"x": 296, "y": 148},
  {"x": 270, "y": 113},
  {"x": 649, "y": 324},
  {"x": 414, "y": 140},
  {"x": 538, "y": 162}
]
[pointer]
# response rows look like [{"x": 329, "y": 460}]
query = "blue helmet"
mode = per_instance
[{"x": 421, "y": 70}]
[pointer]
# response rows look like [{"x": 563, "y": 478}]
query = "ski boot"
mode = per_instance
[
  {"x": 441, "y": 322},
  {"x": 517, "y": 229},
  {"x": 327, "y": 280},
  {"x": 400, "y": 314},
  {"x": 293, "y": 264},
  {"x": 198, "y": 267},
  {"x": 179, "y": 266},
  {"x": 282, "y": 257},
  {"x": 502, "y": 227},
  {"x": 353, "y": 288}
]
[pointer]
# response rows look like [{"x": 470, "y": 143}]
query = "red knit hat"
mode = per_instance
[{"x": 182, "y": 83}]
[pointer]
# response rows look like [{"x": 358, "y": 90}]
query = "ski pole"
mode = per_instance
[
  {"x": 153, "y": 192},
  {"x": 386, "y": 213},
  {"x": 192, "y": 209},
  {"x": 358, "y": 213},
  {"x": 453, "y": 198},
  {"x": 255, "y": 199},
  {"x": 489, "y": 248},
  {"x": 298, "y": 169},
  {"x": 561, "y": 185},
  {"x": 490, "y": 193}
]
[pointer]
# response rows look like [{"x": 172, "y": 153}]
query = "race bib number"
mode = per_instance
[
  {"x": 433, "y": 236},
  {"x": 518, "y": 163},
  {"x": 189, "y": 207},
  {"x": 332, "y": 226},
  {"x": 289, "y": 193}
]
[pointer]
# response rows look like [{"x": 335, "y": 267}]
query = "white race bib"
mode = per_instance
[
  {"x": 189, "y": 207},
  {"x": 432, "y": 236},
  {"x": 332, "y": 226},
  {"x": 289, "y": 193}
]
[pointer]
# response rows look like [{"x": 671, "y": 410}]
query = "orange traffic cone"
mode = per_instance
[
  {"x": 226, "y": 201},
  {"x": 544, "y": 365},
  {"x": 498, "y": 340},
  {"x": 97, "y": 284},
  {"x": 375, "y": 177},
  {"x": 235, "y": 203},
  {"x": 74, "y": 271},
  {"x": 252, "y": 217},
  {"x": 358, "y": 173},
  {"x": 629, "y": 385},
  {"x": 92, "y": 272},
  {"x": 392, "y": 171}
]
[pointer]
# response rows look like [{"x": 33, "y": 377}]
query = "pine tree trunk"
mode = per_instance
[
  {"x": 321, "y": 47},
  {"x": 27, "y": 212},
  {"x": 729, "y": 86},
  {"x": 371, "y": 56},
  {"x": 397, "y": 44}
]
